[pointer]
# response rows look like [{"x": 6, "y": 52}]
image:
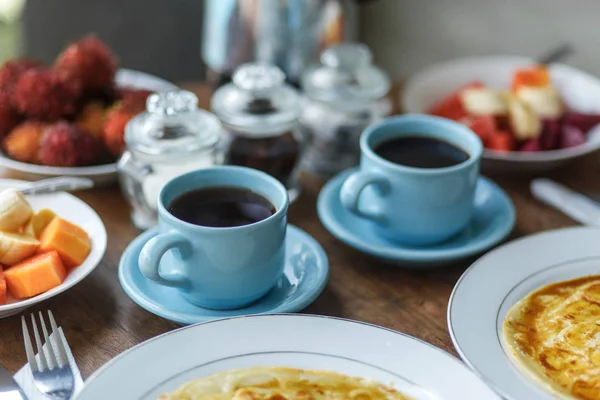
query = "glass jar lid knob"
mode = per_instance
[
  {"x": 258, "y": 77},
  {"x": 171, "y": 103},
  {"x": 347, "y": 56}
]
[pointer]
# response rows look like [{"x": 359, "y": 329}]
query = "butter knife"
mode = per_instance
[
  {"x": 62, "y": 183},
  {"x": 577, "y": 206},
  {"x": 9, "y": 389}
]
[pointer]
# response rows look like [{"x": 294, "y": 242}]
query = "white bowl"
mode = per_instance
[
  {"x": 580, "y": 92},
  {"x": 73, "y": 210},
  {"x": 100, "y": 174}
]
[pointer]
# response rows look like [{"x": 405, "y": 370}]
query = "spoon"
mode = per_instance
[
  {"x": 51, "y": 185},
  {"x": 556, "y": 54}
]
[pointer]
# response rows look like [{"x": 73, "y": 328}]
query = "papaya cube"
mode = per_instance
[
  {"x": 35, "y": 275},
  {"x": 70, "y": 241},
  {"x": 2, "y": 287}
]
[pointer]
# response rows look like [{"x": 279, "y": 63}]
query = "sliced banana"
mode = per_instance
[
  {"x": 14, "y": 210},
  {"x": 15, "y": 247},
  {"x": 523, "y": 120},
  {"x": 38, "y": 222},
  {"x": 482, "y": 101},
  {"x": 544, "y": 101}
]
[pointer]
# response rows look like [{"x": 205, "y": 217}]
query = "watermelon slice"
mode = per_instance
[
  {"x": 484, "y": 126},
  {"x": 451, "y": 106},
  {"x": 501, "y": 141}
]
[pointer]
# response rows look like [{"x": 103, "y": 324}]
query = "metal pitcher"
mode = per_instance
[{"x": 288, "y": 33}]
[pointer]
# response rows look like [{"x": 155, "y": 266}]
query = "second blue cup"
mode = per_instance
[{"x": 407, "y": 204}]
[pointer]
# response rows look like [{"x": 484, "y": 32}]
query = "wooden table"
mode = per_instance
[{"x": 100, "y": 321}]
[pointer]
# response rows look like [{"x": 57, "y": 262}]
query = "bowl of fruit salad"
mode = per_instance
[
  {"x": 48, "y": 244},
  {"x": 528, "y": 116}
]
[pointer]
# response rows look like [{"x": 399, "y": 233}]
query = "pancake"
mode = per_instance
[
  {"x": 554, "y": 336},
  {"x": 279, "y": 383}
]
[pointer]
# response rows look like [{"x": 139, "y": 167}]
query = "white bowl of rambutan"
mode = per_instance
[{"x": 69, "y": 118}]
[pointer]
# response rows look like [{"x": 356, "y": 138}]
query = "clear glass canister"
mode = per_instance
[
  {"x": 260, "y": 115},
  {"x": 344, "y": 94},
  {"x": 172, "y": 137}
]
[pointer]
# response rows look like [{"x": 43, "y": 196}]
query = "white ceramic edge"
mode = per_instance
[
  {"x": 102, "y": 241},
  {"x": 417, "y": 341},
  {"x": 420, "y": 258},
  {"x": 451, "y": 304},
  {"x": 181, "y": 318},
  {"x": 513, "y": 156},
  {"x": 122, "y": 79}
]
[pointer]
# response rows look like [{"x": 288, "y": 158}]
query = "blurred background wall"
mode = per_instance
[
  {"x": 163, "y": 36},
  {"x": 408, "y": 34}
]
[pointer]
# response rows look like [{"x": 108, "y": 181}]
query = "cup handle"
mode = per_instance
[
  {"x": 154, "y": 250},
  {"x": 353, "y": 187}
]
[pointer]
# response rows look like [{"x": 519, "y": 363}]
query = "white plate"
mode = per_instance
[
  {"x": 74, "y": 210},
  {"x": 301, "y": 341},
  {"x": 579, "y": 90},
  {"x": 496, "y": 282},
  {"x": 100, "y": 174}
]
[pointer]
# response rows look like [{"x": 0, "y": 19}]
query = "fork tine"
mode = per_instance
[
  {"x": 28, "y": 348},
  {"x": 49, "y": 349},
  {"x": 61, "y": 343},
  {"x": 40, "y": 349}
]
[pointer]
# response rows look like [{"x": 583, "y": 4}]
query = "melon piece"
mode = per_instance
[
  {"x": 35, "y": 275},
  {"x": 2, "y": 287},
  {"x": 70, "y": 241},
  {"x": 39, "y": 222},
  {"x": 535, "y": 76}
]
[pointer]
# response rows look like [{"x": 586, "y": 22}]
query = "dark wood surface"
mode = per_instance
[{"x": 100, "y": 321}]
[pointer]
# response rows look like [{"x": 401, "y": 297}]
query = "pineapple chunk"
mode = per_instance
[
  {"x": 523, "y": 120},
  {"x": 544, "y": 101},
  {"x": 482, "y": 101}
]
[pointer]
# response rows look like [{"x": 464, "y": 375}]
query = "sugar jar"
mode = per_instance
[
  {"x": 344, "y": 94},
  {"x": 259, "y": 113},
  {"x": 172, "y": 137}
]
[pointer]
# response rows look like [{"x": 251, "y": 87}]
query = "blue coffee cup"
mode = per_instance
[
  {"x": 218, "y": 268},
  {"x": 414, "y": 206}
]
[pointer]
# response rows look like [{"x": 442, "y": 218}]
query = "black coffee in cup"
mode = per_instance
[
  {"x": 221, "y": 207},
  {"x": 421, "y": 152}
]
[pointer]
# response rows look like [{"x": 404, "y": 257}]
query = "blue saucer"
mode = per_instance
[
  {"x": 493, "y": 220},
  {"x": 305, "y": 276}
]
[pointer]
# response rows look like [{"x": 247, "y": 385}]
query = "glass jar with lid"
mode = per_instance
[
  {"x": 260, "y": 112},
  {"x": 344, "y": 94},
  {"x": 172, "y": 137}
]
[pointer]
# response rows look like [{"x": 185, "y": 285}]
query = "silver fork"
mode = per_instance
[{"x": 51, "y": 370}]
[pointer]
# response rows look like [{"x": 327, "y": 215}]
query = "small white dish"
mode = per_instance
[
  {"x": 74, "y": 210},
  {"x": 496, "y": 282},
  {"x": 579, "y": 90},
  {"x": 100, "y": 174},
  {"x": 302, "y": 341}
]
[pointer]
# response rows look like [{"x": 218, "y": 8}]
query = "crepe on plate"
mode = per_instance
[
  {"x": 554, "y": 336},
  {"x": 279, "y": 383}
]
